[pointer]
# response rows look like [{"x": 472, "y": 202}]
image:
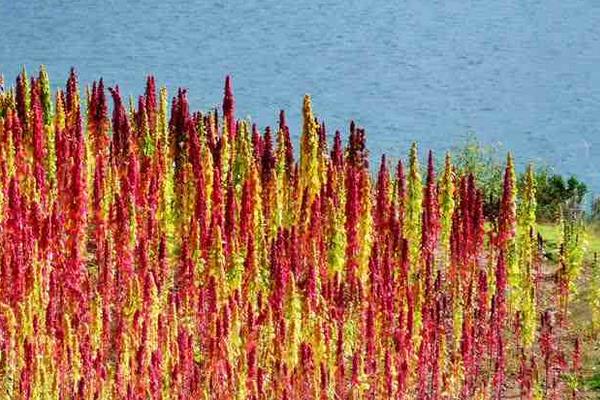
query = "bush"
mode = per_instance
[
  {"x": 554, "y": 194},
  {"x": 553, "y": 191},
  {"x": 487, "y": 168}
]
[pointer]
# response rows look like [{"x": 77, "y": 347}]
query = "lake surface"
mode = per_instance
[{"x": 521, "y": 74}]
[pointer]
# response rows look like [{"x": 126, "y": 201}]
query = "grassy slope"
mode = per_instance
[{"x": 551, "y": 235}]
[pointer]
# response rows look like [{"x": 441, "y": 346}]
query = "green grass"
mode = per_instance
[
  {"x": 593, "y": 238},
  {"x": 551, "y": 234},
  {"x": 549, "y": 231},
  {"x": 593, "y": 383}
]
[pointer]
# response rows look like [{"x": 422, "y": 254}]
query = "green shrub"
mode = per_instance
[
  {"x": 487, "y": 167},
  {"x": 553, "y": 192}
]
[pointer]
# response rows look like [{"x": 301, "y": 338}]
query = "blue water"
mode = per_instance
[{"x": 524, "y": 75}]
